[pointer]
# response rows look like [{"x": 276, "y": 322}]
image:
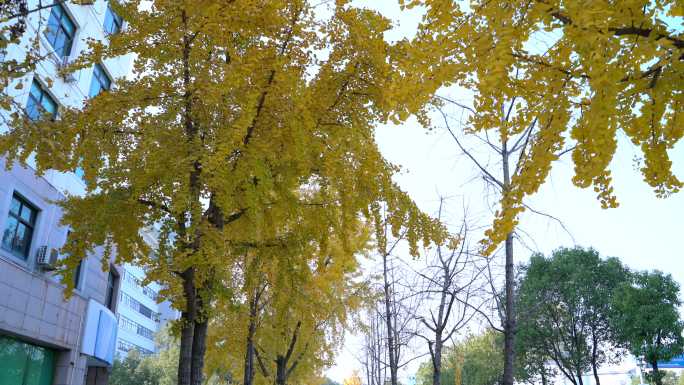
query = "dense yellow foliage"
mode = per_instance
[
  {"x": 246, "y": 129},
  {"x": 275, "y": 132},
  {"x": 304, "y": 301}
]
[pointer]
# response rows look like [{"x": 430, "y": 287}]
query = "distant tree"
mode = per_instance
[
  {"x": 475, "y": 361},
  {"x": 669, "y": 378},
  {"x": 354, "y": 379},
  {"x": 566, "y": 300},
  {"x": 158, "y": 369},
  {"x": 329, "y": 381},
  {"x": 483, "y": 359},
  {"x": 390, "y": 320},
  {"x": 646, "y": 319},
  {"x": 294, "y": 320},
  {"x": 446, "y": 287},
  {"x": 134, "y": 368}
]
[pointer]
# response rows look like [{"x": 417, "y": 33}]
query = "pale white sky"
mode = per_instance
[{"x": 644, "y": 232}]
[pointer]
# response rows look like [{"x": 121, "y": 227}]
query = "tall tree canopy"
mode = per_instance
[{"x": 235, "y": 132}]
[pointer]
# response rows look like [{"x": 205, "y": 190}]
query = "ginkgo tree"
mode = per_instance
[
  {"x": 236, "y": 132},
  {"x": 583, "y": 73},
  {"x": 286, "y": 321}
]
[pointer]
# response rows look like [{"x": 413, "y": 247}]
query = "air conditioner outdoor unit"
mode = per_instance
[{"x": 45, "y": 260}]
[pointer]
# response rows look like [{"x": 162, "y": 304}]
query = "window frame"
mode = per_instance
[
  {"x": 111, "y": 289},
  {"x": 44, "y": 93},
  {"x": 141, "y": 309},
  {"x": 69, "y": 38},
  {"x": 116, "y": 22},
  {"x": 31, "y": 226},
  {"x": 78, "y": 273},
  {"x": 99, "y": 68}
]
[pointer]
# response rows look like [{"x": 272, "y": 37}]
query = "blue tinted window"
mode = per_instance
[
  {"x": 100, "y": 82},
  {"x": 40, "y": 103},
  {"x": 113, "y": 22},
  {"x": 60, "y": 30}
]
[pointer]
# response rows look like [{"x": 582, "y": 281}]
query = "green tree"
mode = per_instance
[
  {"x": 647, "y": 321},
  {"x": 483, "y": 359},
  {"x": 668, "y": 378},
  {"x": 566, "y": 302},
  {"x": 477, "y": 360},
  {"x": 157, "y": 369},
  {"x": 531, "y": 363},
  {"x": 134, "y": 368}
]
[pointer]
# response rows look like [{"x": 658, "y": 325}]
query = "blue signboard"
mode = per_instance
[{"x": 675, "y": 363}]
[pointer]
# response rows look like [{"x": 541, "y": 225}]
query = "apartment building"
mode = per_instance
[
  {"x": 140, "y": 316},
  {"x": 46, "y": 339}
]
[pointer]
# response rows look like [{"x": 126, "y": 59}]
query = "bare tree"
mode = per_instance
[
  {"x": 447, "y": 288},
  {"x": 374, "y": 349},
  {"x": 510, "y": 157},
  {"x": 390, "y": 323}
]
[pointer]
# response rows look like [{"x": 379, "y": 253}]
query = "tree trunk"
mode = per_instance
[
  {"x": 510, "y": 321},
  {"x": 199, "y": 348},
  {"x": 580, "y": 381},
  {"x": 187, "y": 329},
  {"x": 656, "y": 373},
  {"x": 187, "y": 360},
  {"x": 437, "y": 362},
  {"x": 249, "y": 354},
  {"x": 594, "y": 366},
  {"x": 391, "y": 348},
  {"x": 281, "y": 371}
]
